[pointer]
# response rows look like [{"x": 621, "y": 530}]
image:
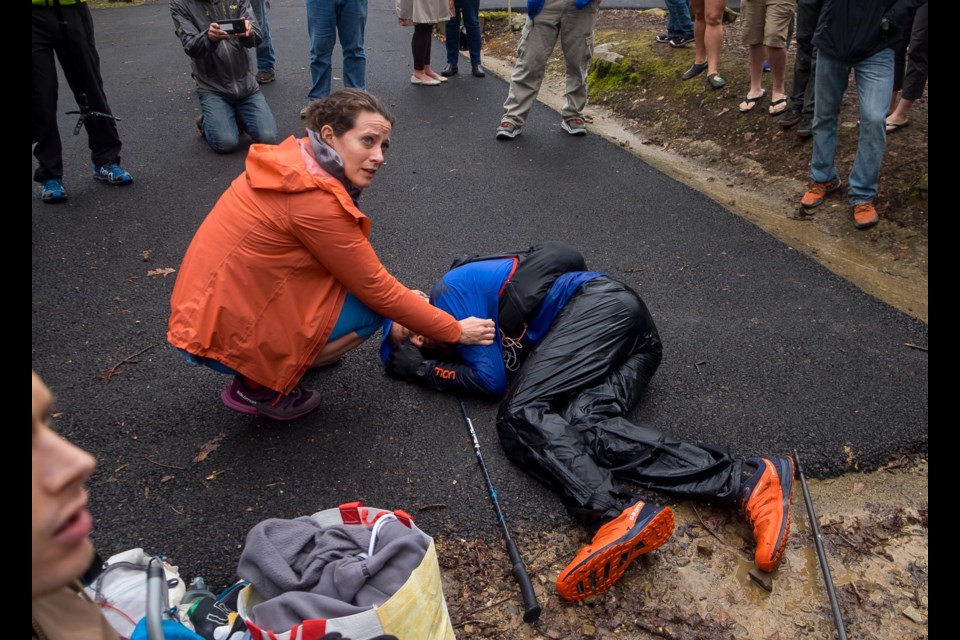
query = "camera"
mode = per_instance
[{"x": 233, "y": 27}]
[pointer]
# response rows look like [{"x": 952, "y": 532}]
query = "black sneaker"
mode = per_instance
[
  {"x": 789, "y": 118},
  {"x": 663, "y": 38},
  {"x": 680, "y": 41},
  {"x": 806, "y": 128}
]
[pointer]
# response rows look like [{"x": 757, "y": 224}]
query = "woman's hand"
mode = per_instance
[
  {"x": 453, "y": 10},
  {"x": 405, "y": 22},
  {"x": 477, "y": 331}
]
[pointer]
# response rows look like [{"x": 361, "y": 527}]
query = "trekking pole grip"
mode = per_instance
[{"x": 531, "y": 608}]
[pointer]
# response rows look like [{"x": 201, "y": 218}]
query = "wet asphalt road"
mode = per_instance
[{"x": 765, "y": 350}]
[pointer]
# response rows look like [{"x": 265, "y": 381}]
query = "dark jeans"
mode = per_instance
[
  {"x": 566, "y": 424},
  {"x": 77, "y": 52},
  {"x": 915, "y": 77},
  {"x": 470, "y": 10},
  {"x": 805, "y": 65}
]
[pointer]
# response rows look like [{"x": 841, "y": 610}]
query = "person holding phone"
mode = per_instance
[{"x": 221, "y": 40}]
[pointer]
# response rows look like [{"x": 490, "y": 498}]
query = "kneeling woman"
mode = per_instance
[{"x": 281, "y": 277}]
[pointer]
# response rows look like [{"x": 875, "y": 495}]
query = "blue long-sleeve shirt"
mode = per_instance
[{"x": 473, "y": 290}]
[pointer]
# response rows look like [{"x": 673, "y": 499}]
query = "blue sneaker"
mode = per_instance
[
  {"x": 53, "y": 192},
  {"x": 112, "y": 174}
]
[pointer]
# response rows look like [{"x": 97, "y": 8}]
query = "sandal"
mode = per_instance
[
  {"x": 751, "y": 102},
  {"x": 716, "y": 81},
  {"x": 778, "y": 106}
]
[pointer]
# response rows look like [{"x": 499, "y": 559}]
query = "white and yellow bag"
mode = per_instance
[{"x": 416, "y": 611}]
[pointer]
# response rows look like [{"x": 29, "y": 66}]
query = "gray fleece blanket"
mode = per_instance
[{"x": 306, "y": 571}]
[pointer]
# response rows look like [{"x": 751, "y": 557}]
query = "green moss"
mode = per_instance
[
  {"x": 653, "y": 66},
  {"x": 606, "y": 77},
  {"x": 494, "y": 16}
]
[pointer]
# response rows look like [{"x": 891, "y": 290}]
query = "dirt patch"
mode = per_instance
[
  {"x": 746, "y": 162},
  {"x": 698, "y": 585}
]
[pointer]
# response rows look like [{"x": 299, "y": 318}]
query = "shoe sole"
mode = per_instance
[
  {"x": 866, "y": 225},
  {"x": 573, "y": 132},
  {"x": 118, "y": 183},
  {"x": 819, "y": 202},
  {"x": 603, "y": 568},
  {"x": 508, "y": 135},
  {"x": 53, "y": 200},
  {"x": 785, "y": 480}
]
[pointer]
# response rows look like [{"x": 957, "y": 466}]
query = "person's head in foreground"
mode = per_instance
[
  {"x": 62, "y": 549},
  {"x": 356, "y": 125}
]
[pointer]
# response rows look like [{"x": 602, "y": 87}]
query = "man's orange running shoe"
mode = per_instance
[
  {"x": 767, "y": 496},
  {"x": 865, "y": 215},
  {"x": 818, "y": 192},
  {"x": 640, "y": 529}
]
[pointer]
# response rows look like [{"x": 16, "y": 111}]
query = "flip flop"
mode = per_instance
[
  {"x": 752, "y": 102},
  {"x": 774, "y": 111},
  {"x": 893, "y": 127}
]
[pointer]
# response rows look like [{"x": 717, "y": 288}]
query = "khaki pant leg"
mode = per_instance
[
  {"x": 537, "y": 40},
  {"x": 576, "y": 40}
]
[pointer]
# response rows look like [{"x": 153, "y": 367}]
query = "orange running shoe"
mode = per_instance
[
  {"x": 818, "y": 192},
  {"x": 865, "y": 215},
  {"x": 767, "y": 496},
  {"x": 640, "y": 529}
]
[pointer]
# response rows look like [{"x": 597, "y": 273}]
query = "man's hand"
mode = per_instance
[
  {"x": 248, "y": 32},
  {"x": 215, "y": 33},
  {"x": 477, "y": 331},
  {"x": 404, "y": 362},
  {"x": 453, "y": 10}
]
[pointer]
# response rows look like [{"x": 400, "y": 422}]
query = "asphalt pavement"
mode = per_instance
[{"x": 766, "y": 351}]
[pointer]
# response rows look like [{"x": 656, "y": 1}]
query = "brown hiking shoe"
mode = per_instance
[
  {"x": 818, "y": 192},
  {"x": 865, "y": 215}
]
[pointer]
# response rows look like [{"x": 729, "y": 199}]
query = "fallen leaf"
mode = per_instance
[
  {"x": 208, "y": 447},
  {"x": 213, "y": 476},
  {"x": 724, "y": 111},
  {"x": 161, "y": 272},
  {"x": 857, "y": 488},
  {"x": 166, "y": 479}
]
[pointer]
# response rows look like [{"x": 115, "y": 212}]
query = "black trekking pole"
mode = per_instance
[
  {"x": 837, "y": 616},
  {"x": 531, "y": 608}
]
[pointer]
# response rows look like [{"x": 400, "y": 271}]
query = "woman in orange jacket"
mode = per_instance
[{"x": 281, "y": 277}]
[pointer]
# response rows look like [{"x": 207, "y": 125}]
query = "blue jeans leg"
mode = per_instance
[
  {"x": 679, "y": 22},
  {"x": 266, "y": 58},
  {"x": 874, "y": 78},
  {"x": 322, "y": 29},
  {"x": 830, "y": 85},
  {"x": 326, "y": 19},
  {"x": 350, "y": 26},
  {"x": 257, "y": 119},
  {"x": 219, "y": 122}
]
